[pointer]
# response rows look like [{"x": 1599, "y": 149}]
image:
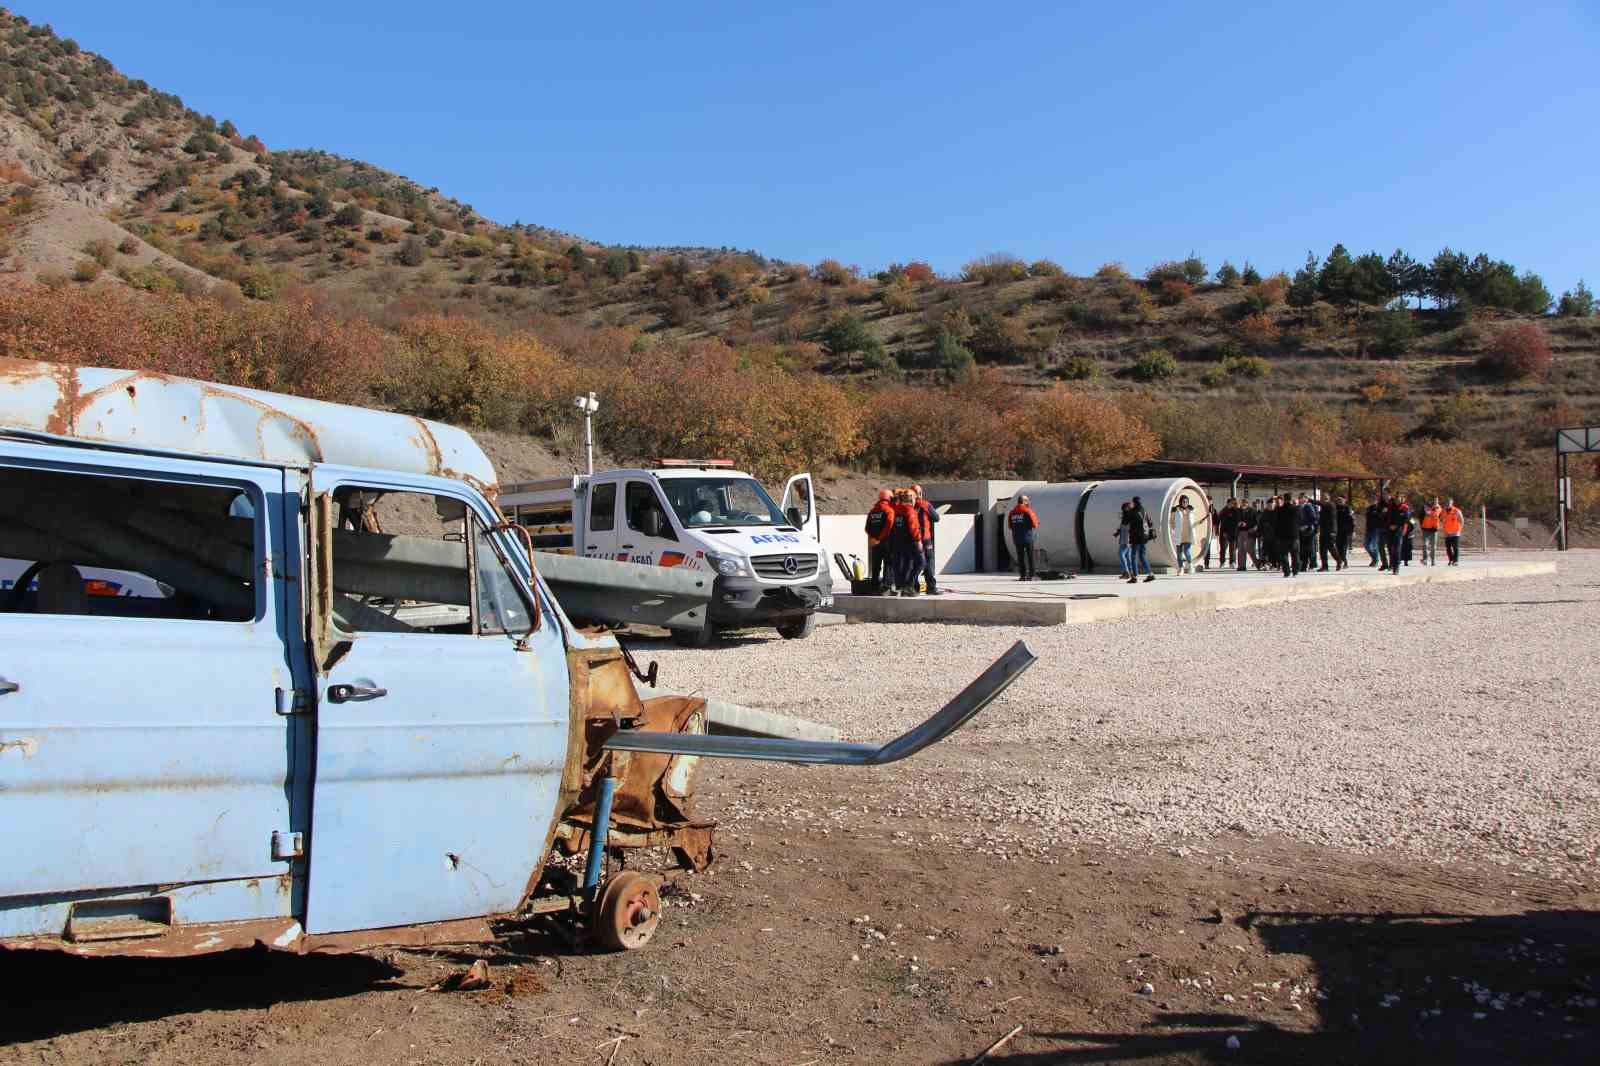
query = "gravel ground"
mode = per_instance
[{"x": 1452, "y": 722}]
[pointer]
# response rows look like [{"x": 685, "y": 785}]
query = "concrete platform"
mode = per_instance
[{"x": 1000, "y": 599}]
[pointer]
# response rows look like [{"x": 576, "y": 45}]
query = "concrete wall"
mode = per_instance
[{"x": 954, "y": 543}]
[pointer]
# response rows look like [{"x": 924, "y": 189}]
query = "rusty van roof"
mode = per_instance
[{"x": 158, "y": 412}]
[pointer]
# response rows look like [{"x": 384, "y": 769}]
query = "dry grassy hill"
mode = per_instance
[{"x": 106, "y": 181}]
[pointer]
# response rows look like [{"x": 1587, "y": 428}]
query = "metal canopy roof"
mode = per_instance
[
  {"x": 157, "y": 412},
  {"x": 1219, "y": 473}
]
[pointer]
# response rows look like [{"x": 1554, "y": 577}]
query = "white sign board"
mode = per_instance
[{"x": 1578, "y": 440}]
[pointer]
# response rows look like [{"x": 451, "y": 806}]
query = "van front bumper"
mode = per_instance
[{"x": 743, "y": 601}]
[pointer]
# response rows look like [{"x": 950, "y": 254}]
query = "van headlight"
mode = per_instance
[{"x": 726, "y": 565}]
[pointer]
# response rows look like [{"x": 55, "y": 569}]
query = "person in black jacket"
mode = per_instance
[
  {"x": 1288, "y": 528},
  {"x": 1327, "y": 515},
  {"x": 1140, "y": 532},
  {"x": 1344, "y": 525},
  {"x": 930, "y": 518}
]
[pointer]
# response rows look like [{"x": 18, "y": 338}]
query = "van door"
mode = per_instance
[
  {"x": 442, "y": 711},
  {"x": 637, "y": 542},
  {"x": 146, "y": 726},
  {"x": 600, "y": 520},
  {"x": 799, "y": 493}
]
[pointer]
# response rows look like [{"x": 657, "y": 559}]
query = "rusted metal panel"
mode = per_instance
[{"x": 145, "y": 410}]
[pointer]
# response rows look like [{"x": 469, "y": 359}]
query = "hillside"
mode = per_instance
[{"x": 110, "y": 185}]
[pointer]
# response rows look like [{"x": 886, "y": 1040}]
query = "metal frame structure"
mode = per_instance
[{"x": 1579, "y": 440}]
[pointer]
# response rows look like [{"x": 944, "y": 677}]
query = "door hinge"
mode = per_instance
[
  {"x": 293, "y": 701},
  {"x": 287, "y": 845}
]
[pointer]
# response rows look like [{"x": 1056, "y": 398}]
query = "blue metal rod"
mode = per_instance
[{"x": 598, "y": 834}]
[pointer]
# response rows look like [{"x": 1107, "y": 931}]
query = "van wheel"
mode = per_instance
[
  {"x": 628, "y": 912},
  {"x": 693, "y": 638},
  {"x": 798, "y": 630}
]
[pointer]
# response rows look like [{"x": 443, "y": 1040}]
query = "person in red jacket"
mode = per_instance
[
  {"x": 879, "y": 522},
  {"x": 905, "y": 544},
  {"x": 1024, "y": 524},
  {"x": 930, "y": 518}
]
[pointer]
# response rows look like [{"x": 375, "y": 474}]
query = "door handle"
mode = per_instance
[
  {"x": 354, "y": 693},
  {"x": 8, "y": 687},
  {"x": 625, "y": 545}
]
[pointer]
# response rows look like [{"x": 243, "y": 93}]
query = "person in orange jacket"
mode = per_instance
[
  {"x": 1024, "y": 525},
  {"x": 929, "y": 518},
  {"x": 1432, "y": 515},
  {"x": 880, "y": 520},
  {"x": 1451, "y": 521},
  {"x": 905, "y": 544}
]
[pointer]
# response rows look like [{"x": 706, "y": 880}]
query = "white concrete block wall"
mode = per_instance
[{"x": 954, "y": 543}]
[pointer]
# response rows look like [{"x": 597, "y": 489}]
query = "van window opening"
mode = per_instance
[
  {"x": 87, "y": 544},
  {"x": 721, "y": 501}
]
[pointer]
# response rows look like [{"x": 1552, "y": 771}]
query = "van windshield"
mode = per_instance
[{"x": 721, "y": 501}]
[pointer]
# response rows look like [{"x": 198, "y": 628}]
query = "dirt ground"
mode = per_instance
[
  {"x": 879, "y": 945},
  {"x": 896, "y": 916}
]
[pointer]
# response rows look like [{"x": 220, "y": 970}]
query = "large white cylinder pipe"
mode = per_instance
[
  {"x": 1056, "y": 544},
  {"x": 1102, "y": 514}
]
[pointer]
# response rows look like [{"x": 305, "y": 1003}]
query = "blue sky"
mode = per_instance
[{"x": 874, "y": 133}]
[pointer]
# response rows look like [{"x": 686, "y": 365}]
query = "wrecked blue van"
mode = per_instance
[{"x": 331, "y": 703}]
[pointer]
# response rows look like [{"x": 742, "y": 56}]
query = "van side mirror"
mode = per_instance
[
  {"x": 651, "y": 518},
  {"x": 793, "y": 515}
]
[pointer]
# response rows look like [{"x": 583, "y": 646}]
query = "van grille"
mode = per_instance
[{"x": 772, "y": 567}]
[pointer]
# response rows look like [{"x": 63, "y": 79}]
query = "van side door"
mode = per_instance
[
  {"x": 442, "y": 713},
  {"x": 638, "y": 543},
  {"x": 147, "y": 726},
  {"x": 800, "y": 495},
  {"x": 600, "y": 520}
]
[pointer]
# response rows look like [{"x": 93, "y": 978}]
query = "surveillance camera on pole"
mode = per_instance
[{"x": 588, "y": 405}]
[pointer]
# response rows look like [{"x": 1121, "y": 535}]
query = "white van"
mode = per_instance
[{"x": 766, "y": 558}]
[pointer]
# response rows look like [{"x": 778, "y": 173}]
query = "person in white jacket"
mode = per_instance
[{"x": 1183, "y": 534}]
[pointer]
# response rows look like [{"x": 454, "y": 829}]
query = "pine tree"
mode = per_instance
[
  {"x": 1303, "y": 288},
  {"x": 1333, "y": 282}
]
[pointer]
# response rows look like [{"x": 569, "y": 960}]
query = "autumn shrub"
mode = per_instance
[
  {"x": 1170, "y": 292},
  {"x": 1250, "y": 367},
  {"x": 1154, "y": 365},
  {"x": 1111, "y": 272},
  {"x": 1517, "y": 352},
  {"x": 948, "y": 433},
  {"x": 996, "y": 268},
  {"x": 1065, "y": 432},
  {"x": 1212, "y": 377},
  {"x": 898, "y": 297},
  {"x": 86, "y": 270},
  {"x": 1460, "y": 469},
  {"x": 1259, "y": 330},
  {"x": 918, "y": 273},
  {"x": 1045, "y": 268},
  {"x": 833, "y": 272},
  {"x": 456, "y": 370}
]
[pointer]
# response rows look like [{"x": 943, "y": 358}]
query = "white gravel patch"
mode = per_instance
[{"x": 1454, "y": 721}]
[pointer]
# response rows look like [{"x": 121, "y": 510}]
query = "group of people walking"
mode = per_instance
[
  {"x": 1286, "y": 533},
  {"x": 900, "y": 543},
  {"x": 1392, "y": 526}
]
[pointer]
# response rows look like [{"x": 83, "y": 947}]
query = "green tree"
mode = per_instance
[
  {"x": 1370, "y": 283},
  {"x": 1446, "y": 278},
  {"x": 616, "y": 265},
  {"x": 1251, "y": 275},
  {"x": 1227, "y": 275},
  {"x": 349, "y": 215},
  {"x": 1154, "y": 365},
  {"x": 952, "y": 359},
  {"x": 1578, "y": 303},
  {"x": 1532, "y": 298},
  {"x": 1194, "y": 269},
  {"x": 1393, "y": 332},
  {"x": 1407, "y": 277},
  {"x": 1303, "y": 288},
  {"x": 1334, "y": 280},
  {"x": 846, "y": 336}
]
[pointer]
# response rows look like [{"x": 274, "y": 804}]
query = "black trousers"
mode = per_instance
[
  {"x": 877, "y": 565},
  {"x": 1325, "y": 548},
  {"x": 927, "y": 566},
  {"x": 1452, "y": 549},
  {"x": 1341, "y": 547},
  {"x": 1025, "y": 564},
  {"x": 1289, "y": 557},
  {"x": 1307, "y": 544}
]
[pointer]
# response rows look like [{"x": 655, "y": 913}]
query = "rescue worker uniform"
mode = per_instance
[
  {"x": 879, "y": 521},
  {"x": 1024, "y": 523},
  {"x": 929, "y": 518},
  {"x": 1450, "y": 522},
  {"x": 1430, "y": 534},
  {"x": 905, "y": 548}
]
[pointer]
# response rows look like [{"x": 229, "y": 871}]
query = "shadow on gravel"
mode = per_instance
[
  {"x": 1532, "y": 977},
  {"x": 49, "y": 995},
  {"x": 1524, "y": 603}
]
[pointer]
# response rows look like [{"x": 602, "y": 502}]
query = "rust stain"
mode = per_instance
[
  {"x": 430, "y": 445},
  {"x": 64, "y": 415}
]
